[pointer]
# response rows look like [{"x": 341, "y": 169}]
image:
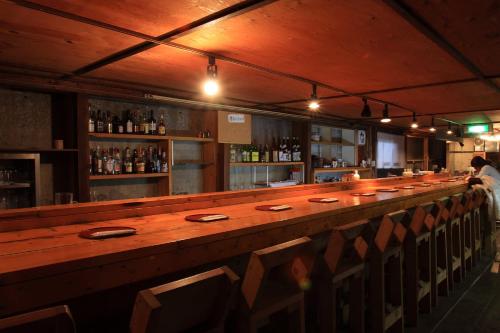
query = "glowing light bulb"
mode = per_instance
[
  {"x": 414, "y": 125},
  {"x": 432, "y": 129},
  {"x": 449, "y": 132},
  {"x": 385, "y": 120},
  {"x": 313, "y": 105},
  {"x": 211, "y": 87}
]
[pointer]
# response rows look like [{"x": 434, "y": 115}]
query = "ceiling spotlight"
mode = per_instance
[
  {"x": 385, "y": 115},
  {"x": 449, "y": 131},
  {"x": 414, "y": 123},
  {"x": 313, "y": 101},
  {"x": 211, "y": 86},
  {"x": 366, "y": 113},
  {"x": 432, "y": 128}
]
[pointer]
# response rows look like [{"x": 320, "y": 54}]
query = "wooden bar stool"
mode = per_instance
[
  {"x": 439, "y": 251},
  {"x": 385, "y": 279},
  {"x": 454, "y": 243},
  {"x": 463, "y": 213},
  {"x": 417, "y": 261},
  {"x": 476, "y": 202},
  {"x": 274, "y": 285},
  {"x": 56, "y": 319},
  {"x": 196, "y": 304},
  {"x": 341, "y": 267}
]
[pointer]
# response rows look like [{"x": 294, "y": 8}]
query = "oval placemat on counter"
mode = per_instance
[
  {"x": 387, "y": 190},
  {"x": 206, "y": 217},
  {"x": 323, "y": 200},
  {"x": 273, "y": 208},
  {"x": 365, "y": 194},
  {"x": 107, "y": 232},
  {"x": 422, "y": 184},
  {"x": 408, "y": 187}
]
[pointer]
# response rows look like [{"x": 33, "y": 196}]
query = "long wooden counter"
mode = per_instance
[{"x": 43, "y": 261}]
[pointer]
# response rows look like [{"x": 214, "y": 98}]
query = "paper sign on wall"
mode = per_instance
[{"x": 236, "y": 118}]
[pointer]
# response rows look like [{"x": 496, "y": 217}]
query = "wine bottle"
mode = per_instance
[
  {"x": 152, "y": 124},
  {"x": 129, "y": 124},
  {"x": 91, "y": 121},
  {"x": 162, "y": 129}
]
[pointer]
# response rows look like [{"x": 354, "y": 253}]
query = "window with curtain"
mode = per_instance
[{"x": 390, "y": 151}]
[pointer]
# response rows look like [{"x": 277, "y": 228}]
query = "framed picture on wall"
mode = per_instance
[{"x": 361, "y": 137}]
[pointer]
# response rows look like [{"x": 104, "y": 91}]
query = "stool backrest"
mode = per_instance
[
  {"x": 391, "y": 229},
  {"x": 421, "y": 218},
  {"x": 197, "y": 303},
  {"x": 56, "y": 319},
  {"x": 456, "y": 205},
  {"x": 288, "y": 262},
  {"x": 346, "y": 245},
  {"x": 442, "y": 213}
]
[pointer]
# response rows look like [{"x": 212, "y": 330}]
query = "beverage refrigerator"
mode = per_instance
[{"x": 19, "y": 180}]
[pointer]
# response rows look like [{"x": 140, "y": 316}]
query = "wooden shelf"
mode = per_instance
[
  {"x": 129, "y": 176},
  {"x": 129, "y": 136},
  {"x": 190, "y": 138},
  {"x": 14, "y": 186},
  {"x": 241, "y": 164},
  {"x": 198, "y": 162},
  {"x": 332, "y": 170},
  {"x": 330, "y": 143},
  {"x": 37, "y": 150},
  {"x": 142, "y": 137}
]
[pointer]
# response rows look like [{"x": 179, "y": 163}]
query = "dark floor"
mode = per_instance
[{"x": 473, "y": 307}]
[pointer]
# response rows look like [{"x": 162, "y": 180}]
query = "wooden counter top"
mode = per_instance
[{"x": 51, "y": 264}]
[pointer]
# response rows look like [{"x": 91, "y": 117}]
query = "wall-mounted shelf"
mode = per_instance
[
  {"x": 14, "y": 186},
  {"x": 129, "y": 176},
  {"x": 256, "y": 164},
  {"x": 142, "y": 137},
  {"x": 195, "y": 162},
  {"x": 347, "y": 169},
  {"x": 37, "y": 150}
]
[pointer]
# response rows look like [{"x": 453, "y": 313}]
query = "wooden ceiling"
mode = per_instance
[{"x": 432, "y": 57}]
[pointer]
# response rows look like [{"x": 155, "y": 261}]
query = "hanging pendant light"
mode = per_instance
[
  {"x": 385, "y": 115},
  {"x": 432, "y": 128},
  {"x": 313, "y": 101},
  {"x": 211, "y": 86},
  {"x": 366, "y": 113},
  {"x": 414, "y": 123},
  {"x": 449, "y": 131}
]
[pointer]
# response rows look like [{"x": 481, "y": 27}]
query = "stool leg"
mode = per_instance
[
  {"x": 396, "y": 292},
  {"x": 449, "y": 253},
  {"x": 357, "y": 304},
  {"x": 442, "y": 261},
  {"x": 433, "y": 267},
  {"x": 377, "y": 293},
  {"x": 425, "y": 273},
  {"x": 327, "y": 298},
  {"x": 411, "y": 279},
  {"x": 457, "y": 251}
]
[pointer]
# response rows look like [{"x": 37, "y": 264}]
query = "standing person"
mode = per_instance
[{"x": 488, "y": 178}]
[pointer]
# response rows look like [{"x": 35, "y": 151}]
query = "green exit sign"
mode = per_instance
[{"x": 477, "y": 128}]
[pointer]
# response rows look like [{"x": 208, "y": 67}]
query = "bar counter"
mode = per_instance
[{"x": 43, "y": 261}]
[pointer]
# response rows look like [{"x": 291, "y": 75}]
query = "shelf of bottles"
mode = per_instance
[
  {"x": 266, "y": 163},
  {"x": 131, "y": 162}
]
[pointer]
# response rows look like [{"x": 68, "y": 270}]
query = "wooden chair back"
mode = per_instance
[
  {"x": 196, "y": 304},
  {"x": 391, "y": 230},
  {"x": 456, "y": 208},
  {"x": 442, "y": 212},
  {"x": 422, "y": 218},
  {"x": 346, "y": 246},
  {"x": 288, "y": 264},
  {"x": 56, "y": 319}
]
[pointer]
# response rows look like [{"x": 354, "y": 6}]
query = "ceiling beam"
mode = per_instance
[
  {"x": 223, "y": 14},
  {"x": 166, "y": 42},
  {"x": 425, "y": 28}
]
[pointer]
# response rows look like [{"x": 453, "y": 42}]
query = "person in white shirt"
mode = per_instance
[{"x": 484, "y": 168}]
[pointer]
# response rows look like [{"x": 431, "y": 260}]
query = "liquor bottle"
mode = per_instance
[
  {"x": 144, "y": 125},
  {"x": 255, "y": 153},
  {"x": 95, "y": 162},
  {"x": 239, "y": 158},
  {"x": 275, "y": 151},
  {"x": 134, "y": 161},
  {"x": 137, "y": 126},
  {"x": 99, "y": 122},
  {"x": 91, "y": 162},
  {"x": 149, "y": 163},
  {"x": 91, "y": 121},
  {"x": 281, "y": 152},
  {"x": 164, "y": 162},
  {"x": 108, "y": 125},
  {"x": 117, "y": 162},
  {"x": 286, "y": 149},
  {"x": 118, "y": 125},
  {"x": 128, "y": 168},
  {"x": 152, "y": 124},
  {"x": 110, "y": 162},
  {"x": 141, "y": 164},
  {"x": 297, "y": 153},
  {"x": 162, "y": 128},
  {"x": 129, "y": 123},
  {"x": 157, "y": 160},
  {"x": 232, "y": 154},
  {"x": 266, "y": 154},
  {"x": 261, "y": 154}
]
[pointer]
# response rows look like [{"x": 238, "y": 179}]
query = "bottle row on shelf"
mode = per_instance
[
  {"x": 110, "y": 161},
  {"x": 287, "y": 150},
  {"x": 132, "y": 122}
]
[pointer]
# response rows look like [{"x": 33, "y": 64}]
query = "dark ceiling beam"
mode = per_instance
[
  {"x": 223, "y": 14},
  {"x": 160, "y": 41},
  {"x": 446, "y": 113},
  {"x": 407, "y": 13}
]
